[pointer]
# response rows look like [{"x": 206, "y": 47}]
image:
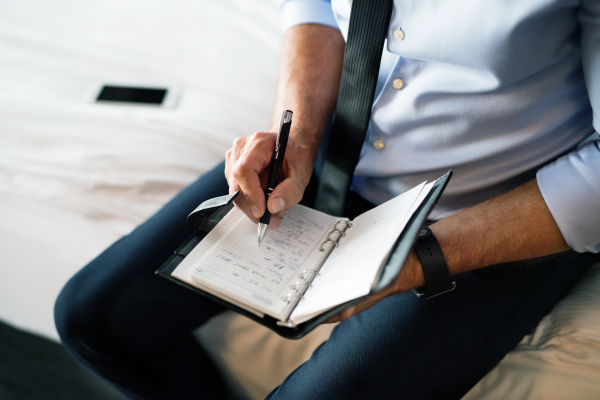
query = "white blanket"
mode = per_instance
[{"x": 75, "y": 176}]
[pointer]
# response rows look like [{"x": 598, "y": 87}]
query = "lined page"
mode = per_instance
[
  {"x": 260, "y": 276},
  {"x": 350, "y": 270}
]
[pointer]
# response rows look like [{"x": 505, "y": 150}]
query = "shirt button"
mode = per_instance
[
  {"x": 399, "y": 34},
  {"x": 379, "y": 144},
  {"x": 398, "y": 84}
]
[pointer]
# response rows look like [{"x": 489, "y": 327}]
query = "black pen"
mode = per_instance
[{"x": 276, "y": 163}]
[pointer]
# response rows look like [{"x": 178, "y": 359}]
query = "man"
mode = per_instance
[{"x": 501, "y": 93}]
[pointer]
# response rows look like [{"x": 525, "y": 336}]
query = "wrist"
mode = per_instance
[
  {"x": 433, "y": 263},
  {"x": 411, "y": 275},
  {"x": 306, "y": 140}
]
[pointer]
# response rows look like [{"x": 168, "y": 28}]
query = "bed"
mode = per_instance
[{"x": 75, "y": 176}]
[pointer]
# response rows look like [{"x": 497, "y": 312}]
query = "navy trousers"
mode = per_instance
[{"x": 134, "y": 328}]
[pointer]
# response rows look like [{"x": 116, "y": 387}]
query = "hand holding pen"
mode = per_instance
[
  {"x": 275, "y": 169},
  {"x": 248, "y": 164}
]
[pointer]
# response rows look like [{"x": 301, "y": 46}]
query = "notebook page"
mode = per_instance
[
  {"x": 350, "y": 270},
  {"x": 184, "y": 270},
  {"x": 260, "y": 276}
]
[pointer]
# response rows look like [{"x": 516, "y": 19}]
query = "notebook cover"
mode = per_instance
[{"x": 389, "y": 272}]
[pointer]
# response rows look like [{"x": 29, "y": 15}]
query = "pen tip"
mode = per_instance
[{"x": 262, "y": 230}]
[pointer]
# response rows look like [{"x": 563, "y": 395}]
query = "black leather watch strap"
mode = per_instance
[{"x": 435, "y": 269}]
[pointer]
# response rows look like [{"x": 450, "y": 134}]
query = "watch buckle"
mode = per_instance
[{"x": 422, "y": 294}]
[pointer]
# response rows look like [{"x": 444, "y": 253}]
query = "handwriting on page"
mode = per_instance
[{"x": 266, "y": 270}]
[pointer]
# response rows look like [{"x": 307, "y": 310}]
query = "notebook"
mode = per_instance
[{"x": 311, "y": 264}]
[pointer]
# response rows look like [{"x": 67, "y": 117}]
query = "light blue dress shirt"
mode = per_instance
[{"x": 498, "y": 91}]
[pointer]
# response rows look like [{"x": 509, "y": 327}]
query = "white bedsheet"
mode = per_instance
[{"x": 76, "y": 176}]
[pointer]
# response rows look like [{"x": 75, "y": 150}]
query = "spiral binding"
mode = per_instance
[{"x": 308, "y": 275}]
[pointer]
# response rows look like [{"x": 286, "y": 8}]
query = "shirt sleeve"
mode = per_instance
[
  {"x": 571, "y": 185},
  {"x": 296, "y": 12}
]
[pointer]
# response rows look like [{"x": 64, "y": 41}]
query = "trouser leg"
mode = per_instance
[
  {"x": 132, "y": 327},
  {"x": 408, "y": 348}
]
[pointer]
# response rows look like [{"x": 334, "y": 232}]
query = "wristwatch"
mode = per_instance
[{"x": 435, "y": 269}]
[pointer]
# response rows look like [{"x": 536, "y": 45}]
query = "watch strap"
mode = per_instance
[{"x": 435, "y": 269}]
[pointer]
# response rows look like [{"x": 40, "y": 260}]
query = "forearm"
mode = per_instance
[
  {"x": 514, "y": 226},
  {"x": 308, "y": 81}
]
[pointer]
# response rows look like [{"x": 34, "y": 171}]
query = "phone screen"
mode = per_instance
[{"x": 132, "y": 94}]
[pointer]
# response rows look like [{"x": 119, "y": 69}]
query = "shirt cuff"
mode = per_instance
[
  {"x": 296, "y": 12},
  {"x": 571, "y": 189}
]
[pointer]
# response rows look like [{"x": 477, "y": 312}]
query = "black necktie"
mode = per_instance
[{"x": 369, "y": 20}]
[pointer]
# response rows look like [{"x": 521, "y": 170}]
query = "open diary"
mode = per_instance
[{"x": 306, "y": 270}]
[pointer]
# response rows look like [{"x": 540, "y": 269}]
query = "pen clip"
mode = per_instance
[{"x": 286, "y": 117}]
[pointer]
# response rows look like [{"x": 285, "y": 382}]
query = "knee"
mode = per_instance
[{"x": 77, "y": 316}]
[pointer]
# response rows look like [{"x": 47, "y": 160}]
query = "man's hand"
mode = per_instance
[
  {"x": 247, "y": 166},
  {"x": 308, "y": 83}
]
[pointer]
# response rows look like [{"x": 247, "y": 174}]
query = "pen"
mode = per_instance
[{"x": 276, "y": 163}]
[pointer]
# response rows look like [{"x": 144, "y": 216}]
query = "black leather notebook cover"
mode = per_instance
[{"x": 209, "y": 213}]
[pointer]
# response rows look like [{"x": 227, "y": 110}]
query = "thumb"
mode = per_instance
[{"x": 286, "y": 194}]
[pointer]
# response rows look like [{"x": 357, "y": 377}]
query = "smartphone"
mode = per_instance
[{"x": 135, "y": 95}]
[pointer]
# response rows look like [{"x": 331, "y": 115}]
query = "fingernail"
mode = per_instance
[
  {"x": 281, "y": 214},
  {"x": 255, "y": 211},
  {"x": 278, "y": 204}
]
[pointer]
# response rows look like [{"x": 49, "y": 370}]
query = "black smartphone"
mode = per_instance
[{"x": 130, "y": 94}]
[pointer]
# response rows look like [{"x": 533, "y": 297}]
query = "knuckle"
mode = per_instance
[
  {"x": 238, "y": 142},
  {"x": 236, "y": 171},
  {"x": 259, "y": 135},
  {"x": 240, "y": 169},
  {"x": 263, "y": 136},
  {"x": 234, "y": 187}
]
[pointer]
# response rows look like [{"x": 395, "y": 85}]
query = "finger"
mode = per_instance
[
  {"x": 254, "y": 197},
  {"x": 276, "y": 218},
  {"x": 364, "y": 305},
  {"x": 287, "y": 193},
  {"x": 343, "y": 316},
  {"x": 228, "y": 161},
  {"x": 333, "y": 320},
  {"x": 350, "y": 312},
  {"x": 358, "y": 308},
  {"x": 231, "y": 157},
  {"x": 275, "y": 221},
  {"x": 247, "y": 172},
  {"x": 240, "y": 202}
]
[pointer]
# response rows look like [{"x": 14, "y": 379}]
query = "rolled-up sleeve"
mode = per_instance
[
  {"x": 296, "y": 12},
  {"x": 571, "y": 185},
  {"x": 571, "y": 188}
]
